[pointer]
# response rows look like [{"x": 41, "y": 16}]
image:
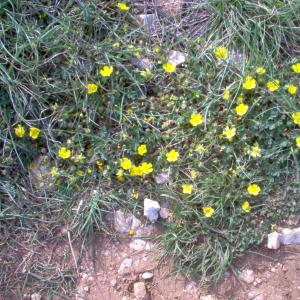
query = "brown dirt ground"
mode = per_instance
[{"x": 277, "y": 276}]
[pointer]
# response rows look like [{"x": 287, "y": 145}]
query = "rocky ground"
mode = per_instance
[
  {"x": 123, "y": 273},
  {"x": 132, "y": 268}
]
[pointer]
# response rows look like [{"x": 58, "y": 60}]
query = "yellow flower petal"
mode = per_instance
[
  {"x": 34, "y": 132},
  {"x": 253, "y": 189},
  {"x": 208, "y": 211},
  {"x": 19, "y": 131},
  {"x": 172, "y": 155},
  {"x": 196, "y": 119},
  {"x": 92, "y": 88},
  {"x": 106, "y": 71},
  {"x": 64, "y": 152},
  {"x": 169, "y": 67},
  {"x": 221, "y": 53},
  {"x": 246, "y": 207}
]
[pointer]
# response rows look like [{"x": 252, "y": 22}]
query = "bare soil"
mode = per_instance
[{"x": 276, "y": 275}]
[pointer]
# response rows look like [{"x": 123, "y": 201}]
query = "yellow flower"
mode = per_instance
[
  {"x": 273, "y": 85},
  {"x": 249, "y": 83},
  {"x": 187, "y": 189},
  {"x": 253, "y": 189},
  {"x": 134, "y": 194},
  {"x": 142, "y": 149},
  {"x": 226, "y": 94},
  {"x": 298, "y": 141},
  {"x": 292, "y": 89},
  {"x": 146, "y": 168},
  {"x": 260, "y": 70},
  {"x": 169, "y": 67},
  {"x": 125, "y": 163},
  {"x": 194, "y": 174},
  {"x": 241, "y": 109},
  {"x": 120, "y": 175},
  {"x": 136, "y": 171},
  {"x": 64, "y": 152},
  {"x": 208, "y": 211},
  {"x": 34, "y": 132},
  {"x": 255, "y": 150},
  {"x": 19, "y": 131},
  {"x": 156, "y": 49},
  {"x": 123, "y": 6},
  {"x": 89, "y": 170},
  {"x": 92, "y": 88},
  {"x": 131, "y": 232},
  {"x": 54, "y": 171},
  {"x": 296, "y": 117},
  {"x": 273, "y": 227},
  {"x": 229, "y": 133},
  {"x": 296, "y": 67},
  {"x": 221, "y": 53},
  {"x": 172, "y": 155},
  {"x": 116, "y": 45},
  {"x": 106, "y": 71},
  {"x": 246, "y": 206},
  {"x": 196, "y": 119},
  {"x": 200, "y": 148}
]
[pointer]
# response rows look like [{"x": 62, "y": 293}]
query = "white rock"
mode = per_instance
[
  {"x": 145, "y": 230},
  {"x": 143, "y": 63},
  {"x": 113, "y": 282},
  {"x": 147, "y": 275},
  {"x": 36, "y": 296},
  {"x": 176, "y": 57},
  {"x": 290, "y": 236},
  {"x": 149, "y": 22},
  {"x": 162, "y": 178},
  {"x": 123, "y": 222},
  {"x": 208, "y": 297},
  {"x": 140, "y": 291},
  {"x": 151, "y": 209},
  {"x": 140, "y": 245},
  {"x": 273, "y": 240},
  {"x": 247, "y": 276},
  {"x": 125, "y": 266},
  {"x": 164, "y": 213},
  {"x": 255, "y": 295}
]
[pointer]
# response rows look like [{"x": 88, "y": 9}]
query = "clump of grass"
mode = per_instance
[{"x": 84, "y": 130}]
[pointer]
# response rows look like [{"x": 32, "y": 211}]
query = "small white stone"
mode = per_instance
[
  {"x": 273, "y": 240},
  {"x": 247, "y": 276},
  {"x": 163, "y": 177},
  {"x": 147, "y": 275},
  {"x": 36, "y": 296},
  {"x": 176, "y": 57},
  {"x": 140, "y": 245},
  {"x": 140, "y": 291},
  {"x": 125, "y": 266},
  {"x": 290, "y": 236},
  {"x": 208, "y": 297},
  {"x": 123, "y": 222},
  {"x": 151, "y": 209},
  {"x": 164, "y": 213},
  {"x": 149, "y": 22},
  {"x": 113, "y": 282}
]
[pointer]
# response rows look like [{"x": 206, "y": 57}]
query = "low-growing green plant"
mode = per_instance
[{"x": 85, "y": 128}]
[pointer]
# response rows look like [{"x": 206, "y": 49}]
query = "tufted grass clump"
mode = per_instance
[{"x": 92, "y": 110}]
